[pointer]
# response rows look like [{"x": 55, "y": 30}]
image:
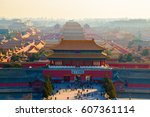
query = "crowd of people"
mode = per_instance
[{"x": 78, "y": 91}]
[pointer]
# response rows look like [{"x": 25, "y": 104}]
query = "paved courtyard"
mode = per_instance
[{"x": 77, "y": 91}]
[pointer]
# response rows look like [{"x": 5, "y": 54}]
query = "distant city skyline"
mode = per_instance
[{"x": 75, "y": 9}]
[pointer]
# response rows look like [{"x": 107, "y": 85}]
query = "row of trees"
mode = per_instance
[
  {"x": 15, "y": 58},
  {"x": 34, "y": 57},
  {"x": 31, "y": 58},
  {"x": 129, "y": 57},
  {"x": 145, "y": 52},
  {"x": 12, "y": 65},
  {"x": 125, "y": 58}
]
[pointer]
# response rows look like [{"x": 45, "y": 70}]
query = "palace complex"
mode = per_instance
[
  {"x": 73, "y": 59},
  {"x": 78, "y": 58}
]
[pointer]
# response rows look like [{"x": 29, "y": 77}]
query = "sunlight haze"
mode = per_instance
[{"x": 75, "y": 9}]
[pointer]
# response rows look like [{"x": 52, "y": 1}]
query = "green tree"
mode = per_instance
[
  {"x": 48, "y": 87},
  {"x": 125, "y": 58},
  {"x": 2, "y": 51},
  {"x": 108, "y": 52},
  {"x": 129, "y": 57},
  {"x": 122, "y": 58},
  {"x": 145, "y": 52},
  {"x": 109, "y": 88},
  {"x": 15, "y": 58},
  {"x": 34, "y": 57}
]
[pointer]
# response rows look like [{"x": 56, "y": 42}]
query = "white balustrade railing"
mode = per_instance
[
  {"x": 61, "y": 66},
  {"x": 84, "y": 67}
]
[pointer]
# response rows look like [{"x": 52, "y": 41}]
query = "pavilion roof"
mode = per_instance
[
  {"x": 77, "y": 45},
  {"x": 33, "y": 49}
]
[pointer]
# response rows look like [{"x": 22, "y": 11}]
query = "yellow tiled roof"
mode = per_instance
[{"x": 77, "y": 45}]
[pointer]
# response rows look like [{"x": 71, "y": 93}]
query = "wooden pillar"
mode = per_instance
[{"x": 102, "y": 62}]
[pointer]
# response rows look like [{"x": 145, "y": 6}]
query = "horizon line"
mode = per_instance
[{"x": 127, "y": 18}]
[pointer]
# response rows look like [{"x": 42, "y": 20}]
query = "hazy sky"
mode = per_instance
[{"x": 75, "y": 9}]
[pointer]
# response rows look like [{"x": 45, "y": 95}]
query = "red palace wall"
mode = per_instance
[
  {"x": 34, "y": 64},
  {"x": 28, "y": 64},
  {"x": 99, "y": 74},
  {"x": 93, "y": 74},
  {"x": 14, "y": 84},
  {"x": 58, "y": 73},
  {"x": 129, "y": 65},
  {"x": 1, "y": 65},
  {"x": 139, "y": 85}
]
